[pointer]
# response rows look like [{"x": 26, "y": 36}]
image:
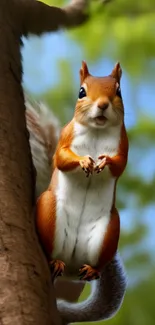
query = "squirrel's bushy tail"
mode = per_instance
[
  {"x": 44, "y": 130},
  {"x": 105, "y": 299}
]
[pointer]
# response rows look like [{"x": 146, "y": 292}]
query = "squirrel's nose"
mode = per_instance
[{"x": 103, "y": 106}]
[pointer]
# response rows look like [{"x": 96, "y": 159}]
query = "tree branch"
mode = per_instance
[{"x": 38, "y": 18}]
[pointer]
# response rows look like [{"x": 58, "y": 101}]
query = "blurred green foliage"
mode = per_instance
[
  {"x": 119, "y": 27},
  {"x": 122, "y": 30}
]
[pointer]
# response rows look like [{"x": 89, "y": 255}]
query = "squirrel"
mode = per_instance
[{"x": 76, "y": 217}]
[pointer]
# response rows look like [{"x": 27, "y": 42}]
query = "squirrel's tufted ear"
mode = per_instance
[
  {"x": 117, "y": 72},
  {"x": 84, "y": 72}
]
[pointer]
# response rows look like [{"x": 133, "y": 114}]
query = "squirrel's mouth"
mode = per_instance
[{"x": 100, "y": 120}]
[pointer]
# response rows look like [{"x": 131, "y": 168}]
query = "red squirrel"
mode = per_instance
[{"x": 76, "y": 217}]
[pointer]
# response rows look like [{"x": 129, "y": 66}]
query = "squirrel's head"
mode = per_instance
[{"x": 100, "y": 102}]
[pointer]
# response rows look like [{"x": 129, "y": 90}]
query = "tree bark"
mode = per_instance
[
  {"x": 26, "y": 294},
  {"x": 38, "y": 18},
  {"x": 25, "y": 291}
]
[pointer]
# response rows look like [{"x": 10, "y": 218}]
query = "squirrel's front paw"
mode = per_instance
[
  {"x": 57, "y": 268},
  {"x": 105, "y": 160},
  {"x": 87, "y": 164},
  {"x": 88, "y": 273}
]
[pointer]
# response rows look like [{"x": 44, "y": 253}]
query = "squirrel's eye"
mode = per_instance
[
  {"x": 82, "y": 92},
  {"x": 118, "y": 92}
]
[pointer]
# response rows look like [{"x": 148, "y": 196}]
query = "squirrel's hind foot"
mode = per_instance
[
  {"x": 88, "y": 273},
  {"x": 57, "y": 268}
]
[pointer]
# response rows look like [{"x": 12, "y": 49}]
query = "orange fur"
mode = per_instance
[
  {"x": 117, "y": 72},
  {"x": 66, "y": 160},
  {"x": 83, "y": 71},
  {"x": 102, "y": 89},
  {"x": 118, "y": 163},
  {"x": 45, "y": 217},
  {"x": 110, "y": 241}
]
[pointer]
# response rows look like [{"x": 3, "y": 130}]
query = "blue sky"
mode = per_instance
[
  {"x": 40, "y": 55},
  {"x": 40, "y": 73}
]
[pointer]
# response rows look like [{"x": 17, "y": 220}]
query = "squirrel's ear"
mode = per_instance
[
  {"x": 117, "y": 72},
  {"x": 83, "y": 71}
]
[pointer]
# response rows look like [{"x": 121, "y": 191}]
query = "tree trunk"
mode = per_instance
[
  {"x": 24, "y": 276},
  {"x": 26, "y": 294}
]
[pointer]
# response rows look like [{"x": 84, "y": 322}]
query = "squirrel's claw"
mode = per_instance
[
  {"x": 87, "y": 165},
  {"x": 87, "y": 273},
  {"x": 101, "y": 166},
  {"x": 57, "y": 268},
  {"x": 105, "y": 160}
]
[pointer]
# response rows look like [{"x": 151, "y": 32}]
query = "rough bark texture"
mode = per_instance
[
  {"x": 26, "y": 294},
  {"x": 24, "y": 277}
]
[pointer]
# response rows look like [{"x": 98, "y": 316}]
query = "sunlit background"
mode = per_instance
[{"x": 122, "y": 31}]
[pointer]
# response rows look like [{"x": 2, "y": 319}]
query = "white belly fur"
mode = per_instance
[{"x": 83, "y": 204}]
